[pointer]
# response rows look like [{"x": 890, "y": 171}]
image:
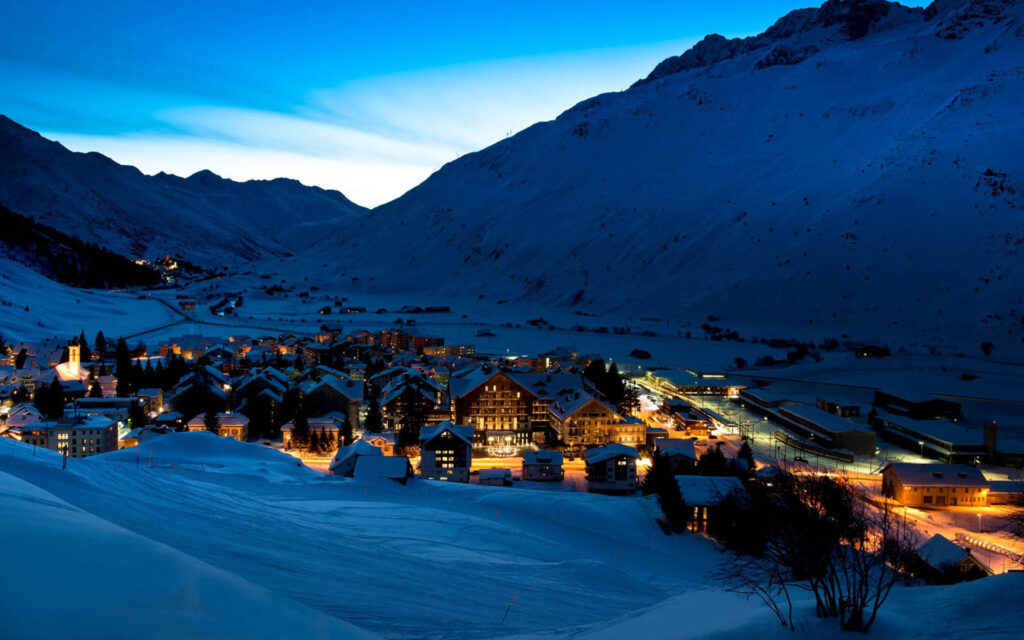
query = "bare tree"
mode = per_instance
[
  {"x": 820, "y": 537},
  {"x": 761, "y": 578}
]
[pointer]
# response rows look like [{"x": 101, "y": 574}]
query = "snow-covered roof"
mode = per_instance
[
  {"x": 565, "y": 406},
  {"x": 216, "y": 373},
  {"x": 357, "y": 448},
  {"x": 389, "y": 438},
  {"x": 940, "y": 552},
  {"x": 676, "y": 447},
  {"x": 822, "y": 419},
  {"x": 607, "y": 452},
  {"x": 938, "y": 474},
  {"x": 392, "y": 467},
  {"x": 955, "y": 433},
  {"x": 276, "y": 397},
  {"x": 542, "y": 457},
  {"x": 331, "y": 416},
  {"x": 765, "y": 396},
  {"x": 707, "y": 490},
  {"x": 351, "y": 389},
  {"x": 495, "y": 474},
  {"x": 223, "y": 419},
  {"x": 462, "y": 432}
]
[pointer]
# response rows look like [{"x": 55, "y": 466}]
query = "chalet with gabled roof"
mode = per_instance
[{"x": 446, "y": 452}]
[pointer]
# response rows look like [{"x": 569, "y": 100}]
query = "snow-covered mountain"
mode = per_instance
[
  {"x": 857, "y": 168},
  {"x": 203, "y": 218}
]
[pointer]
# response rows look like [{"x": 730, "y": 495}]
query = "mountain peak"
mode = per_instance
[{"x": 794, "y": 37}]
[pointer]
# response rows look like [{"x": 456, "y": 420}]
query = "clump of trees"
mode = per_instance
[
  {"x": 612, "y": 386},
  {"x": 812, "y": 533},
  {"x": 66, "y": 258},
  {"x": 661, "y": 481}
]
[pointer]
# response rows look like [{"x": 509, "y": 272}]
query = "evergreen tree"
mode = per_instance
[
  {"x": 746, "y": 453},
  {"x": 659, "y": 473},
  {"x": 595, "y": 372},
  {"x": 660, "y": 480},
  {"x": 49, "y": 399},
  {"x": 84, "y": 346},
  {"x": 630, "y": 402},
  {"x": 346, "y": 436},
  {"x": 19, "y": 360},
  {"x": 193, "y": 401},
  {"x": 328, "y": 443},
  {"x": 95, "y": 391},
  {"x": 211, "y": 421},
  {"x": 122, "y": 357},
  {"x": 137, "y": 416},
  {"x": 260, "y": 411},
  {"x": 290, "y": 404},
  {"x": 300, "y": 429},
  {"x": 374, "y": 420},
  {"x": 614, "y": 388},
  {"x": 413, "y": 418},
  {"x": 713, "y": 462},
  {"x": 100, "y": 343},
  {"x": 123, "y": 369},
  {"x": 159, "y": 374},
  {"x": 670, "y": 499},
  {"x": 314, "y": 441}
]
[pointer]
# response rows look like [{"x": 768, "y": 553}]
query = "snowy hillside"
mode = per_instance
[
  {"x": 151, "y": 590},
  {"x": 33, "y": 307},
  {"x": 190, "y": 533},
  {"x": 203, "y": 218},
  {"x": 856, "y": 169}
]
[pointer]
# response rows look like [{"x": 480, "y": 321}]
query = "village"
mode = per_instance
[{"x": 399, "y": 404}]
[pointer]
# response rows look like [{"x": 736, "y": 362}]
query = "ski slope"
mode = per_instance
[{"x": 286, "y": 552}]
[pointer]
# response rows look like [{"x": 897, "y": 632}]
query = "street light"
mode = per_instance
[
  {"x": 921, "y": 444},
  {"x": 979, "y": 524}
]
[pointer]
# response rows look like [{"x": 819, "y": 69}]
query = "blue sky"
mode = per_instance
[{"x": 368, "y": 98}]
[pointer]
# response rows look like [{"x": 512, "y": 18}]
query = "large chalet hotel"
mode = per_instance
[{"x": 507, "y": 408}]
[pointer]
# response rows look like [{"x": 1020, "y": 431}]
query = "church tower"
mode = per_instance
[{"x": 74, "y": 360}]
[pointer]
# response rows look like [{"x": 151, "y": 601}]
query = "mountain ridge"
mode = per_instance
[{"x": 127, "y": 211}]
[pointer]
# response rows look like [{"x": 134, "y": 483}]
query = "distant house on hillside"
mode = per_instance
[
  {"x": 383, "y": 441},
  {"x": 680, "y": 452},
  {"x": 232, "y": 425},
  {"x": 941, "y": 561},
  {"x": 612, "y": 468},
  {"x": 934, "y": 485},
  {"x": 153, "y": 399},
  {"x": 496, "y": 477},
  {"x": 344, "y": 463},
  {"x": 78, "y": 438},
  {"x": 703, "y": 493},
  {"x": 543, "y": 465},
  {"x": 446, "y": 452}
]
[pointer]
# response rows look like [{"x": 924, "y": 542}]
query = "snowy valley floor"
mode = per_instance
[{"x": 219, "y": 539}]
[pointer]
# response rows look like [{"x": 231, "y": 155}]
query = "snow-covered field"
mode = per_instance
[
  {"x": 224, "y": 539},
  {"x": 34, "y": 307}
]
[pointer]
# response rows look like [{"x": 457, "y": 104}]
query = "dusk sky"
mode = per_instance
[{"x": 368, "y": 98}]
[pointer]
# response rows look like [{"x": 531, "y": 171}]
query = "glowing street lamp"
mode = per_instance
[
  {"x": 979, "y": 524},
  {"x": 921, "y": 444}
]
